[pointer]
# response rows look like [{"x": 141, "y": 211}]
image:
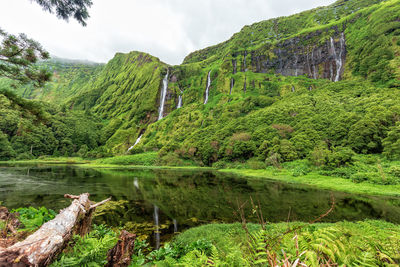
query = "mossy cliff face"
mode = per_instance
[
  {"x": 312, "y": 48},
  {"x": 126, "y": 94},
  {"x": 278, "y": 87}
]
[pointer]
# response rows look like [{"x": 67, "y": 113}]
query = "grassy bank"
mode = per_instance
[{"x": 320, "y": 181}]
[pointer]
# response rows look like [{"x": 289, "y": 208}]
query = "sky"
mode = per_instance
[{"x": 167, "y": 29}]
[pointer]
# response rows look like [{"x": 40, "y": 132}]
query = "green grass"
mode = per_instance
[
  {"x": 366, "y": 243},
  {"x": 143, "y": 159},
  {"x": 320, "y": 181}
]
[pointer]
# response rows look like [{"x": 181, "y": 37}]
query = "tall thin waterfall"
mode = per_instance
[
  {"x": 338, "y": 59},
  {"x": 232, "y": 84},
  {"x": 162, "y": 97},
  {"x": 157, "y": 226},
  {"x": 137, "y": 142},
  {"x": 208, "y": 87},
  {"x": 179, "y": 101},
  {"x": 175, "y": 225}
]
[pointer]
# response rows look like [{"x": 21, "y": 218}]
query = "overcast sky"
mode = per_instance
[{"x": 168, "y": 29}]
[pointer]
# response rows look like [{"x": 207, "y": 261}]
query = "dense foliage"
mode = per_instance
[
  {"x": 369, "y": 243},
  {"x": 29, "y": 129}
]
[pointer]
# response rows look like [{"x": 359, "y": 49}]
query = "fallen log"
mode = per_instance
[
  {"x": 40, "y": 248},
  {"x": 121, "y": 254}
]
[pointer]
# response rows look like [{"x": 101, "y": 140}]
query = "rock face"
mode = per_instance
[{"x": 299, "y": 56}]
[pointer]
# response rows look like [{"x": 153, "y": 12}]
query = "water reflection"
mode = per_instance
[{"x": 162, "y": 198}]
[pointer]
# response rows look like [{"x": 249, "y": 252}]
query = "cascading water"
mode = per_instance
[
  {"x": 157, "y": 227},
  {"x": 162, "y": 97},
  {"x": 295, "y": 65},
  {"x": 179, "y": 101},
  {"x": 315, "y": 76},
  {"x": 175, "y": 225},
  {"x": 137, "y": 142},
  {"x": 232, "y": 84},
  {"x": 338, "y": 59},
  {"x": 244, "y": 61},
  {"x": 208, "y": 87}
]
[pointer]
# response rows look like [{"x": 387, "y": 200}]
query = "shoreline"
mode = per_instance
[{"x": 333, "y": 183}]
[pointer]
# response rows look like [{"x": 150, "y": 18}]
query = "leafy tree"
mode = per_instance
[
  {"x": 17, "y": 56},
  {"x": 6, "y": 151},
  {"x": 391, "y": 143},
  {"x": 65, "y": 9},
  {"x": 18, "y": 53}
]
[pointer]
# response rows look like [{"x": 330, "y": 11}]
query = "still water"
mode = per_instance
[{"x": 159, "y": 203}]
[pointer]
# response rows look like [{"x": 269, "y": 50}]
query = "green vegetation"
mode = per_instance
[
  {"x": 32, "y": 218},
  {"x": 262, "y": 120},
  {"x": 69, "y": 78},
  {"x": 369, "y": 243},
  {"x": 145, "y": 159},
  {"x": 90, "y": 250},
  {"x": 29, "y": 129}
]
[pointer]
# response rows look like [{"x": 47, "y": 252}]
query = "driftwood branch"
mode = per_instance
[
  {"x": 100, "y": 203},
  {"x": 40, "y": 248}
]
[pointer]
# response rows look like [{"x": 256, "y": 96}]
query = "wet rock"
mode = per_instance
[{"x": 303, "y": 56}]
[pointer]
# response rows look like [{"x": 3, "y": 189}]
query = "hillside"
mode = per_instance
[{"x": 324, "y": 80}]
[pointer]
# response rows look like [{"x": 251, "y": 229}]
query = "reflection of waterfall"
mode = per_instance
[
  {"x": 136, "y": 183},
  {"x": 338, "y": 58},
  {"x": 157, "y": 227},
  {"x": 175, "y": 225},
  {"x": 179, "y": 101},
  {"x": 137, "y": 142},
  {"x": 208, "y": 87},
  {"x": 162, "y": 97}
]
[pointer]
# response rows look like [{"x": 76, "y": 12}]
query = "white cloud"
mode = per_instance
[{"x": 168, "y": 29}]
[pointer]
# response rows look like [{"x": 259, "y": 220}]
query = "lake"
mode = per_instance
[{"x": 158, "y": 203}]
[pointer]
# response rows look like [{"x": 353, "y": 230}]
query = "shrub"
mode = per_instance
[
  {"x": 256, "y": 164},
  {"x": 33, "y": 218},
  {"x": 395, "y": 171}
]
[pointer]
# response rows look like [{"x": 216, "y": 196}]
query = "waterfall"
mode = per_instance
[
  {"x": 162, "y": 97},
  {"x": 208, "y": 87},
  {"x": 338, "y": 59},
  {"x": 157, "y": 227},
  {"x": 175, "y": 225},
  {"x": 234, "y": 63},
  {"x": 232, "y": 84},
  {"x": 313, "y": 65},
  {"x": 179, "y": 101},
  {"x": 295, "y": 65},
  {"x": 245, "y": 85},
  {"x": 137, "y": 142},
  {"x": 244, "y": 61}
]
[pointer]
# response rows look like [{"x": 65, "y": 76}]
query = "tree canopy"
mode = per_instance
[
  {"x": 17, "y": 56},
  {"x": 64, "y": 9}
]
